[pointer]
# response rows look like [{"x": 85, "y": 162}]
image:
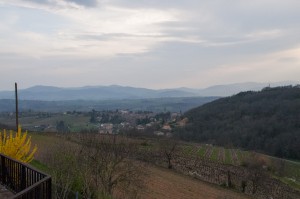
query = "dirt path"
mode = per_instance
[{"x": 165, "y": 184}]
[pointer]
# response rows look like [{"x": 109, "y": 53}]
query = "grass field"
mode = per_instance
[
  {"x": 292, "y": 169},
  {"x": 201, "y": 151},
  {"x": 214, "y": 155},
  {"x": 74, "y": 122},
  {"x": 228, "y": 159}
]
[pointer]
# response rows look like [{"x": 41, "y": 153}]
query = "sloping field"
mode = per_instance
[
  {"x": 163, "y": 183},
  {"x": 160, "y": 183},
  {"x": 167, "y": 184}
]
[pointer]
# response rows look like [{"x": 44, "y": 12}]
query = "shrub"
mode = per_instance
[{"x": 17, "y": 145}]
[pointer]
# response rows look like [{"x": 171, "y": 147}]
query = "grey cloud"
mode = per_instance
[
  {"x": 266, "y": 17},
  {"x": 223, "y": 17},
  {"x": 40, "y": 1},
  {"x": 108, "y": 36},
  {"x": 157, "y": 3},
  {"x": 217, "y": 51},
  {"x": 288, "y": 59},
  {"x": 86, "y": 3}
]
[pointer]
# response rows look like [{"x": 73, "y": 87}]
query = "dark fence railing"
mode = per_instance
[{"x": 23, "y": 180}]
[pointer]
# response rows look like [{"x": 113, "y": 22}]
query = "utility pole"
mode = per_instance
[{"x": 17, "y": 107}]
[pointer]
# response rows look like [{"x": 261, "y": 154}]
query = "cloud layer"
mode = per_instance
[{"x": 155, "y": 44}]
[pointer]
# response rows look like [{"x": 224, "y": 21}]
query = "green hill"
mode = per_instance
[{"x": 266, "y": 121}]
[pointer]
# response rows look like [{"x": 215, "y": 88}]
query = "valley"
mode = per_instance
[{"x": 158, "y": 148}]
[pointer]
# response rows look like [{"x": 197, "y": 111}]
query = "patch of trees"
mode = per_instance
[
  {"x": 143, "y": 121},
  {"x": 268, "y": 121},
  {"x": 163, "y": 117},
  {"x": 106, "y": 117},
  {"x": 62, "y": 127}
]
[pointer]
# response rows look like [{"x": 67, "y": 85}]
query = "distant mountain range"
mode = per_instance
[{"x": 115, "y": 92}]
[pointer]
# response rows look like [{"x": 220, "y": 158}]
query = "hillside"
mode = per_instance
[
  {"x": 164, "y": 183},
  {"x": 157, "y": 182},
  {"x": 267, "y": 121}
]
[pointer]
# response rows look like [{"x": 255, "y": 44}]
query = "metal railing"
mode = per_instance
[{"x": 23, "y": 180}]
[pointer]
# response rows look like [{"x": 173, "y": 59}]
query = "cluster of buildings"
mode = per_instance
[{"x": 160, "y": 124}]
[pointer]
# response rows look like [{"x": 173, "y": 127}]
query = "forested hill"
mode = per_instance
[{"x": 268, "y": 121}]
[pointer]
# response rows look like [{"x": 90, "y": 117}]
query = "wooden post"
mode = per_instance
[
  {"x": 17, "y": 107},
  {"x": 3, "y": 170}
]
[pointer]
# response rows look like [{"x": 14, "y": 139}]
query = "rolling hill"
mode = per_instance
[{"x": 267, "y": 121}]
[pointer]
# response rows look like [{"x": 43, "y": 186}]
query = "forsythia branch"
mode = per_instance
[{"x": 17, "y": 145}]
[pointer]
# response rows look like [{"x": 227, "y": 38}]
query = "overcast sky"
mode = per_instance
[{"x": 148, "y": 43}]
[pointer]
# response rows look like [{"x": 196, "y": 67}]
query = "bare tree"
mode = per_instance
[
  {"x": 63, "y": 167},
  {"x": 112, "y": 167},
  {"x": 256, "y": 165},
  {"x": 168, "y": 149},
  {"x": 97, "y": 166}
]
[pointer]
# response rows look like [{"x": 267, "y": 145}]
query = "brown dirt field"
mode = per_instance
[{"x": 167, "y": 184}]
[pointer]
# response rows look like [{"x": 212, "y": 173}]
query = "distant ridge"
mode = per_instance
[
  {"x": 116, "y": 92},
  {"x": 231, "y": 89}
]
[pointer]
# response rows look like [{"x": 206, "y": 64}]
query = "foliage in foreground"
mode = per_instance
[{"x": 17, "y": 145}]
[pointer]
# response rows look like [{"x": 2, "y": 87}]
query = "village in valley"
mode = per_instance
[{"x": 144, "y": 123}]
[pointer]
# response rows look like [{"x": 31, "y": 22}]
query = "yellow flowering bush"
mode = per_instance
[{"x": 17, "y": 145}]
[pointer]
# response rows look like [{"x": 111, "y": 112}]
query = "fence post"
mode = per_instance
[
  {"x": 17, "y": 107},
  {"x": 49, "y": 189},
  {"x": 228, "y": 179},
  {"x": 3, "y": 170},
  {"x": 23, "y": 178}
]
